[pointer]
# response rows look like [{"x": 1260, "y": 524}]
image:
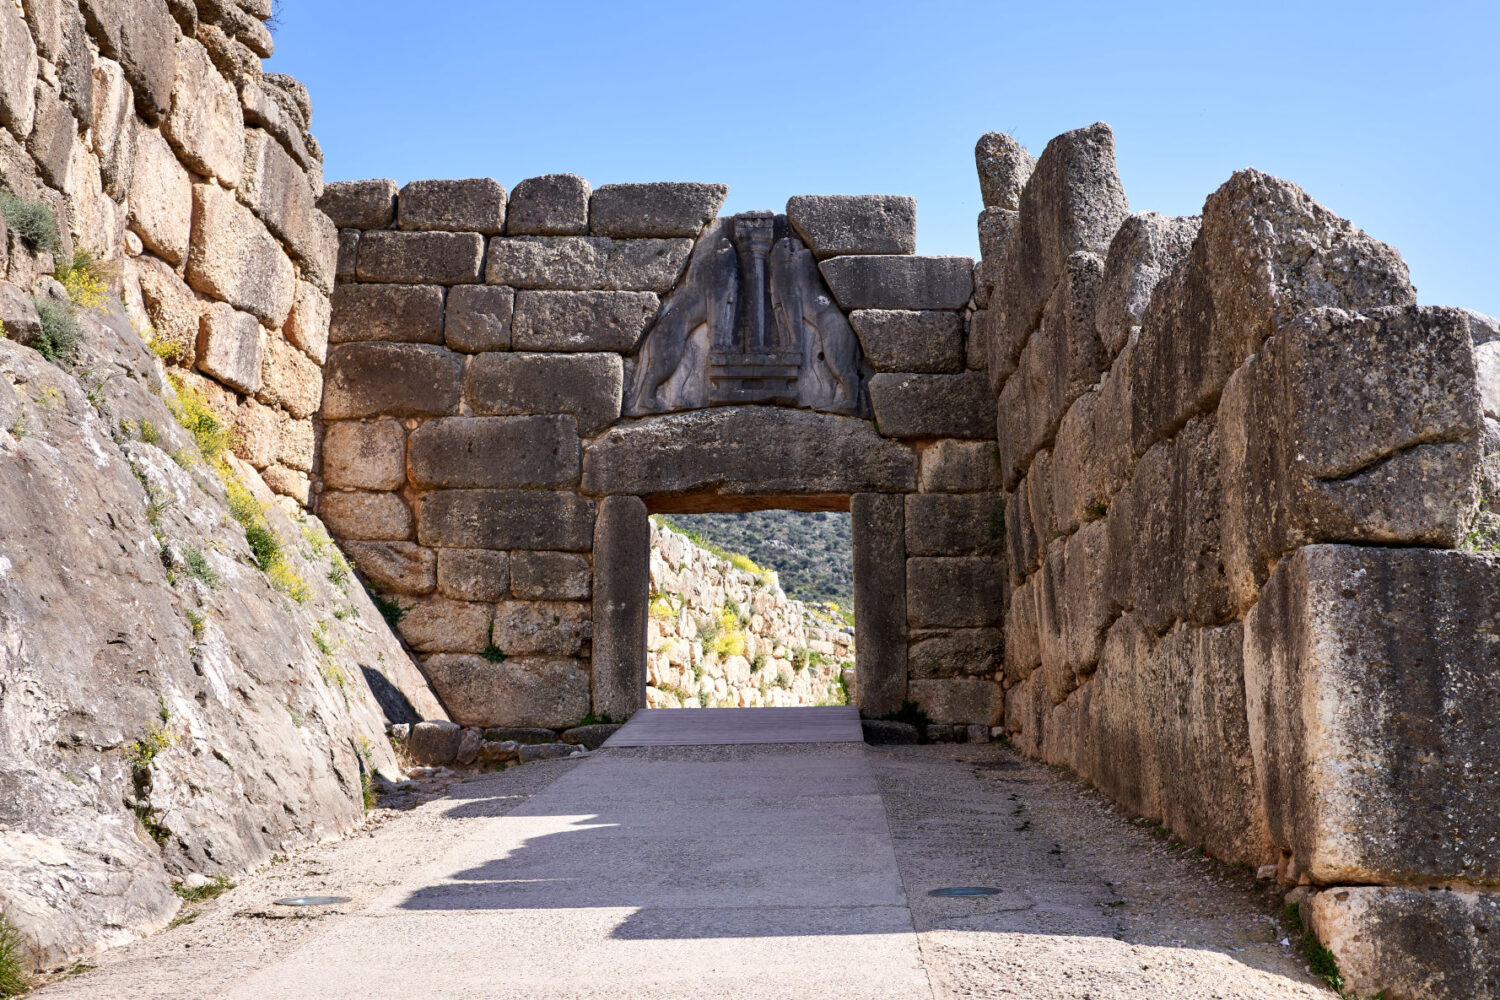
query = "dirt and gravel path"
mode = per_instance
[{"x": 753, "y": 871}]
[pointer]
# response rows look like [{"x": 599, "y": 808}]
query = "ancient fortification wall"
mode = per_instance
[
  {"x": 727, "y": 636},
  {"x": 1240, "y": 465}
]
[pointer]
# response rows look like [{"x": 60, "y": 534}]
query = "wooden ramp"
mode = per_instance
[{"x": 697, "y": 727}]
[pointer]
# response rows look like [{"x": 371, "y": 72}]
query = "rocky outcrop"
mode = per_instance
[{"x": 722, "y": 634}]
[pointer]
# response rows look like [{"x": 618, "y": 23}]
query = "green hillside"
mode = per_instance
[{"x": 811, "y": 553}]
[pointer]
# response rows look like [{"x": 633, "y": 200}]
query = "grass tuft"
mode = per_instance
[
  {"x": 213, "y": 890},
  {"x": 13, "y": 978}
]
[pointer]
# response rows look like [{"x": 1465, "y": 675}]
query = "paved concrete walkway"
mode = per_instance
[{"x": 735, "y": 871}]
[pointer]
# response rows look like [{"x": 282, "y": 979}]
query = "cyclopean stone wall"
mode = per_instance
[
  {"x": 478, "y": 468},
  {"x": 1241, "y": 465}
]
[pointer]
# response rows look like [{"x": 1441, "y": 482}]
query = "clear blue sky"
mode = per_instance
[{"x": 1389, "y": 113}]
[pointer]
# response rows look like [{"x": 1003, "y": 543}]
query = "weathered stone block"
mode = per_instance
[
  {"x": 278, "y": 191},
  {"x": 476, "y": 205},
  {"x": 507, "y": 519},
  {"x": 170, "y": 304},
  {"x": 18, "y": 73},
  {"x": 550, "y": 576},
  {"x": 257, "y": 432},
  {"x": 232, "y": 257},
  {"x": 1074, "y": 608},
  {"x": 206, "y": 125},
  {"x": 394, "y": 567},
  {"x": 1369, "y": 678},
  {"x": 521, "y": 691},
  {"x": 554, "y": 628},
  {"x": 535, "y": 452},
  {"x": 52, "y": 137},
  {"x": 996, "y": 228},
  {"x": 959, "y": 701},
  {"x": 656, "y": 209},
  {"x": 478, "y": 318},
  {"x": 877, "y": 524},
  {"x": 367, "y": 204},
  {"x": 550, "y": 205},
  {"x": 359, "y": 516},
  {"x": 418, "y": 258},
  {"x": 288, "y": 379},
  {"x": 939, "y": 524},
  {"x": 473, "y": 574},
  {"x": 933, "y": 406},
  {"x": 115, "y": 128},
  {"x": 308, "y": 322},
  {"x": 141, "y": 37},
  {"x": 438, "y": 625},
  {"x": 434, "y": 743},
  {"x": 833, "y": 224},
  {"x": 900, "y": 340},
  {"x": 348, "y": 258},
  {"x": 739, "y": 451},
  {"x": 581, "y": 321},
  {"x": 18, "y": 315},
  {"x": 950, "y": 466},
  {"x": 1147, "y": 246},
  {"x": 948, "y": 592},
  {"x": 622, "y": 569},
  {"x": 229, "y": 347},
  {"x": 367, "y": 456},
  {"x": 298, "y": 445},
  {"x": 405, "y": 380},
  {"x": 587, "y": 263},
  {"x": 967, "y": 652},
  {"x": 1004, "y": 168},
  {"x": 588, "y": 386},
  {"x": 900, "y": 282},
  {"x": 407, "y": 313}
]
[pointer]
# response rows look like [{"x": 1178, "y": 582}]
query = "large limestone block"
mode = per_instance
[
  {"x": 743, "y": 451},
  {"x": 478, "y": 318},
  {"x": 537, "y": 452},
  {"x": 230, "y": 343},
  {"x": 964, "y": 652},
  {"x": 410, "y": 314},
  {"x": 835, "y": 224},
  {"x": 363, "y": 516},
  {"x": 507, "y": 519},
  {"x": 900, "y": 282},
  {"x": 933, "y": 406},
  {"x": 161, "y": 198},
  {"x": 953, "y": 592},
  {"x": 1074, "y": 609},
  {"x": 533, "y": 691},
  {"x": 53, "y": 134},
  {"x": 950, "y": 466},
  {"x": 622, "y": 559},
  {"x": 900, "y": 340},
  {"x": 1004, "y": 168},
  {"x": 550, "y": 576},
  {"x": 581, "y": 321},
  {"x": 877, "y": 526},
  {"x": 1072, "y": 202},
  {"x": 959, "y": 701},
  {"x": 278, "y": 191},
  {"x": 308, "y": 322},
  {"x": 369, "y": 204},
  {"x": 289, "y": 379},
  {"x": 1145, "y": 248},
  {"x": 348, "y": 259},
  {"x": 232, "y": 257},
  {"x": 654, "y": 209},
  {"x": 554, "y": 628},
  {"x": 1119, "y": 755},
  {"x": 473, "y": 574},
  {"x": 404, "y": 380},
  {"x": 114, "y": 126},
  {"x": 1350, "y": 428},
  {"x": 476, "y": 205},
  {"x": 550, "y": 205},
  {"x": 588, "y": 386},
  {"x": 996, "y": 228},
  {"x": 587, "y": 263},
  {"x": 1265, "y": 253},
  {"x": 144, "y": 39},
  {"x": 1396, "y": 942},
  {"x": 206, "y": 125},
  {"x": 939, "y": 524},
  {"x": 394, "y": 567},
  {"x": 420, "y": 258},
  {"x": 1023, "y": 650},
  {"x": 18, "y": 73},
  {"x": 438, "y": 625},
  {"x": 1374, "y": 717},
  {"x": 364, "y": 455},
  {"x": 171, "y": 306}
]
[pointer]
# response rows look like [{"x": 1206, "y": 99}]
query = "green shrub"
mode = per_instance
[
  {"x": 390, "y": 609},
  {"x": 212, "y": 890},
  {"x": 85, "y": 280},
  {"x": 33, "y": 221},
  {"x": 198, "y": 567},
  {"x": 59, "y": 329}
]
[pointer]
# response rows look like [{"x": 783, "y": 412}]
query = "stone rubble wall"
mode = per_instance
[
  {"x": 1241, "y": 466},
  {"x": 476, "y": 465},
  {"x": 725, "y": 637}
]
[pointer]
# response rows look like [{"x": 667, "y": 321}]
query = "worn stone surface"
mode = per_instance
[
  {"x": 1004, "y": 168},
  {"x": 900, "y": 282},
  {"x": 476, "y": 205},
  {"x": 473, "y": 574},
  {"x": 407, "y": 313},
  {"x": 18, "y": 72},
  {"x": 948, "y": 525},
  {"x": 1146, "y": 247},
  {"x": 434, "y": 742},
  {"x": 394, "y": 567},
  {"x": 52, "y": 137},
  {"x": 741, "y": 451},
  {"x": 438, "y": 258},
  {"x": 959, "y": 701},
  {"x": 206, "y": 125},
  {"x": 437, "y": 625},
  {"x": 406, "y": 380},
  {"x": 535, "y": 627},
  {"x": 654, "y": 209},
  {"x": 950, "y": 466},
  {"x": 550, "y": 205},
  {"x": 232, "y": 257},
  {"x": 366, "y": 516},
  {"x": 229, "y": 347},
  {"x": 279, "y": 193},
  {"x": 899, "y": 340},
  {"x": 933, "y": 406},
  {"x": 835, "y": 224},
  {"x": 308, "y": 322},
  {"x": 367, "y": 204},
  {"x": 551, "y": 576},
  {"x": 536, "y": 452},
  {"x": 507, "y": 519},
  {"x": 587, "y": 263},
  {"x": 364, "y": 455},
  {"x": 581, "y": 321},
  {"x": 288, "y": 379},
  {"x": 161, "y": 198},
  {"x": 588, "y": 386},
  {"x": 952, "y": 592},
  {"x": 478, "y": 318},
  {"x": 880, "y": 598},
  {"x": 622, "y": 555},
  {"x": 591, "y": 736},
  {"x": 966, "y": 652}
]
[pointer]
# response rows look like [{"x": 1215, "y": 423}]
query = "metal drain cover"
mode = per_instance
[
  {"x": 311, "y": 900},
  {"x": 966, "y": 890}
]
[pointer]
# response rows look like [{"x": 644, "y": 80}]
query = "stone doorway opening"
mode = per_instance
[{"x": 750, "y": 609}]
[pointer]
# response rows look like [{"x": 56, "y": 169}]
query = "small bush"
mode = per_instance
[
  {"x": 84, "y": 279},
  {"x": 143, "y": 752},
  {"x": 192, "y": 411},
  {"x": 213, "y": 890},
  {"x": 390, "y": 609},
  {"x": 13, "y": 978},
  {"x": 33, "y": 221},
  {"x": 198, "y": 567},
  {"x": 59, "y": 336},
  {"x": 492, "y": 652}
]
